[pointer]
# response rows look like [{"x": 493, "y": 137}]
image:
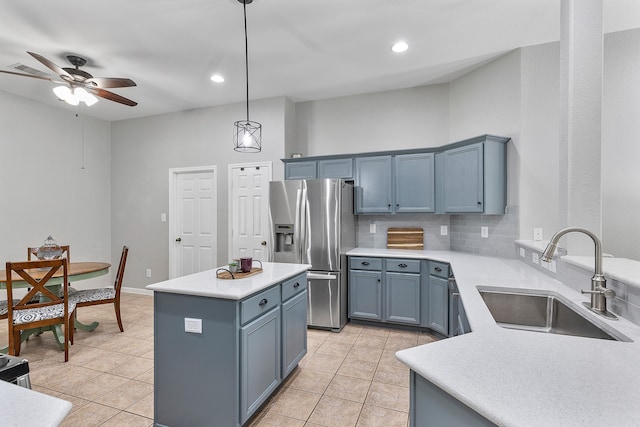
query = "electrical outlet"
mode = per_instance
[
  {"x": 148, "y": 272},
  {"x": 484, "y": 232},
  {"x": 443, "y": 230},
  {"x": 552, "y": 266},
  {"x": 372, "y": 228},
  {"x": 193, "y": 326},
  {"x": 537, "y": 234},
  {"x": 534, "y": 258},
  {"x": 163, "y": 217},
  {"x": 522, "y": 252}
]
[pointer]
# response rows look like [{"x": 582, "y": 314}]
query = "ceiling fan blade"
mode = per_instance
[
  {"x": 108, "y": 82},
  {"x": 111, "y": 96},
  {"x": 27, "y": 75},
  {"x": 51, "y": 65}
]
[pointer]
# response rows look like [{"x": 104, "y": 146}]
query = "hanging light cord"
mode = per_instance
[{"x": 246, "y": 53}]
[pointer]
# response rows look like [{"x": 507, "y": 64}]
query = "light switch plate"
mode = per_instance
[
  {"x": 484, "y": 232},
  {"x": 443, "y": 230},
  {"x": 522, "y": 252},
  {"x": 193, "y": 326},
  {"x": 372, "y": 228},
  {"x": 163, "y": 217},
  {"x": 534, "y": 258},
  {"x": 148, "y": 272}
]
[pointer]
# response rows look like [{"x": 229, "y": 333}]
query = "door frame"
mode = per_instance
[
  {"x": 173, "y": 188},
  {"x": 230, "y": 168}
]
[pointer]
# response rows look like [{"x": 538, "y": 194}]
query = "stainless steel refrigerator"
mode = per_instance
[{"x": 312, "y": 222}]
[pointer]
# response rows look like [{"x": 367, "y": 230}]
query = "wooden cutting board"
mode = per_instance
[{"x": 405, "y": 238}]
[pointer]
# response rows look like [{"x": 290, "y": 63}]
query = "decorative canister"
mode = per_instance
[{"x": 49, "y": 249}]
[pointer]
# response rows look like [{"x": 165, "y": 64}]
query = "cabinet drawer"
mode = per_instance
[
  {"x": 403, "y": 265},
  {"x": 294, "y": 286},
  {"x": 258, "y": 304},
  {"x": 365, "y": 263},
  {"x": 439, "y": 269}
]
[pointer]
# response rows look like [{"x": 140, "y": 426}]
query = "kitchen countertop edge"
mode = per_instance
[{"x": 521, "y": 378}]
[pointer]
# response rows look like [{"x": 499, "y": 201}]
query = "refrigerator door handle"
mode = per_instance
[{"x": 316, "y": 276}]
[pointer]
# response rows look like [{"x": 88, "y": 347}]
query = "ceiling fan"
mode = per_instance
[{"x": 80, "y": 85}]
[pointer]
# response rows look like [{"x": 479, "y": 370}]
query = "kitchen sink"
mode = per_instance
[{"x": 542, "y": 312}]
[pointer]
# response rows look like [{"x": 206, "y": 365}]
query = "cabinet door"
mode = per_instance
[
  {"x": 294, "y": 332},
  {"x": 300, "y": 170},
  {"x": 439, "y": 305},
  {"x": 260, "y": 362},
  {"x": 365, "y": 295},
  {"x": 374, "y": 185},
  {"x": 402, "y": 298},
  {"x": 415, "y": 183},
  {"x": 464, "y": 179},
  {"x": 336, "y": 168}
]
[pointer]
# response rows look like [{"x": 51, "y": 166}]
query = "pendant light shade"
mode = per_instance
[{"x": 247, "y": 135}]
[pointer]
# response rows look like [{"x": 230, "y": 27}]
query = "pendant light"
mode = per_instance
[{"x": 247, "y": 135}]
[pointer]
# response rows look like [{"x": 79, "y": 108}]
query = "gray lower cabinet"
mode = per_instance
[
  {"x": 430, "y": 406},
  {"x": 261, "y": 366},
  {"x": 402, "y": 298},
  {"x": 439, "y": 305},
  {"x": 294, "y": 332},
  {"x": 365, "y": 294},
  {"x": 246, "y": 349}
]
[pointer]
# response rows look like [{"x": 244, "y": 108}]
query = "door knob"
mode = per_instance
[
  {"x": 179, "y": 239},
  {"x": 263, "y": 243}
]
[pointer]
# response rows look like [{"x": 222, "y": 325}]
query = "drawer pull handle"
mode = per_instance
[
  {"x": 297, "y": 285},
  {"x": 262, "y": 302},
  {"x": 365, "y": 262},
  {"x": 403, "y": 265},
  {"x": 438, "y": 269}
]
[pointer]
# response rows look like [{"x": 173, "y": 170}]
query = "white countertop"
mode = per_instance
[
  {"x": 207, "y": 284},
  {"x": 521, "y": 378},
  {"x": 21, "y": 407}
]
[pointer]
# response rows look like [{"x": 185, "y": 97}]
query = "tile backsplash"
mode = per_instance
[{"x": 463, "y": 231}]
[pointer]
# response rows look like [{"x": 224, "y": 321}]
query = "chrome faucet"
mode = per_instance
[{"x": 599, "y": 292}]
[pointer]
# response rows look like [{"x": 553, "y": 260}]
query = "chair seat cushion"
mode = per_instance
[
  {"x": 41, "y": 313},
  {"x": 92, "y": 295},
  {"x": 4, "y": 309}
]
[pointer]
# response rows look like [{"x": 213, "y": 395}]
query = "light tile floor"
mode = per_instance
[{"x": 351, "y": 378}]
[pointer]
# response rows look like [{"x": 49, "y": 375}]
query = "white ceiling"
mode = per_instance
[{"x": 303, "y": 49}]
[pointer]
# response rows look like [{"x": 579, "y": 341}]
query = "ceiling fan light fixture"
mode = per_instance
[
  {"x": 247, "y": 135},
  {"x": 74, "y": 96},
  {"x": 85, "y": 96}
]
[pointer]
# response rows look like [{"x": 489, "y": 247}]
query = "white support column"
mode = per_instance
[{"x": 581, "y": 58}]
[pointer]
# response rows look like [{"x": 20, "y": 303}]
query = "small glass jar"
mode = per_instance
[{"x": 49, "y": 250}]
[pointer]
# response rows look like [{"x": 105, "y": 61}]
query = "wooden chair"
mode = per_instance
[
  {"x": 87, "y": 297},
  {"x": 49, "y": 311}
]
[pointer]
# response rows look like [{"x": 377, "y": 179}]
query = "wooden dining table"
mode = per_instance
[{"x": 76, "y": 271}]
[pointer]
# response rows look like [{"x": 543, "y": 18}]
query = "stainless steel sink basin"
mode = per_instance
[{"x": 542, "y": 312}]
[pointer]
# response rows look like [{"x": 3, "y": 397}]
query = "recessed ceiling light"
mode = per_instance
[
  {"x": 217, "y": 78},
  {"x": 399, "y": 47}
]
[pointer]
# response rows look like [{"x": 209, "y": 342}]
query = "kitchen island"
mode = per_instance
[
  {"x": 223, "y": 346},
  {"x": 506, "y": 377}
]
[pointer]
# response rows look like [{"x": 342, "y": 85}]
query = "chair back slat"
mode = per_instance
[
  {"x": 120, "y": 274},
  {"x": 66, "y": 252}
]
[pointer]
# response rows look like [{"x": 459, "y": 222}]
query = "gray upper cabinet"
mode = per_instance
[
  {"x": 472, "y": 178},
  {"x": 374, "y": 188},
  {"x": 336, "y": 168},
  {"x": 414, "y": 182},
  {"x": 463, "y": 179},
  {"x": 301, "y": 170}
]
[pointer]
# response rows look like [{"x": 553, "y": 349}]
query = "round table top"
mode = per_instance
[{"x": 74, "y": 269}]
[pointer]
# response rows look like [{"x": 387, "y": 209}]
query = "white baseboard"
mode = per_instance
[{"x": 137, "y": 291}]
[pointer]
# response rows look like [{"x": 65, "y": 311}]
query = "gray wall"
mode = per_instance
[
  {"x": 143, "y": 151},
  {"x": 44, "y": 189}
]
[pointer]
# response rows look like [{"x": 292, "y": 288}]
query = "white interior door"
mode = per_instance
[
  {"x": 249, "y": 210},
  {"x": 193, "y": 220}
]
